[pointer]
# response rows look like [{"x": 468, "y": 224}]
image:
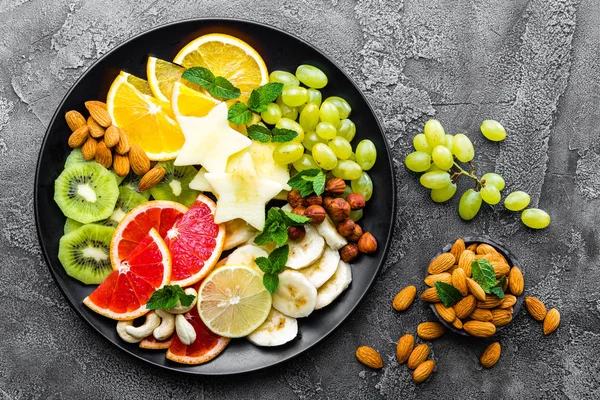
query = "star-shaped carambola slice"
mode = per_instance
[
  {"x": 209, "y": 140},
  {"x": 242, "y": 193}
]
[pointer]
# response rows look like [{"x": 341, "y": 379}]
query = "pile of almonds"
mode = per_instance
[
  {"x": 108, "y": 145},
  {"x": 338, "y": 209}
]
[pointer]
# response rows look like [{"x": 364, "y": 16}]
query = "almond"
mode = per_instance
[
  {"x": 465, "y": 261},
  {"x": 112, "y": 136},
  {"x": 505, "y": 285},
  {"x": 551, "y": 321},
  {"x": 123, "y": 146},
  {"x": 457, "y": 248},
  {"x": 418, "y": 355},
  {"x": 466, "y": 306},
  {"x": 430, "y": 330},
  {"x": 423, "y": 371},
  {"x": 88, "y": 150},
  {"x": 404, "y": 298},
  {"x": 459, "y": 281},
  {"x": 475, "y": 289},
  {"x": 431, "y": 296},
  {"x": 138, "y": 160},
  {"x": 500, "y": 268},
  {"x": 485, "y": 248},
  {"x": 509, "y": 301},
  {"x": 443, "y": 277},
  {"x": 369, "y": 357},
  {"x": 481, "y": 314},
  {"x": 151, "y": 178},
  {"x": 491, "y": 257},
  {"x": 501, "y": 317},
  {"x": 121, "y": 164},
  {"x": 490, "y": 301},
  {"x": 78, "y": 137},
  {"x": 74, "y": 120},
  {"x": 536, "y": 308},
  {"x": 480, "y": 328},
  {"x": 446, "y": 313},
  {"x": 490, "y": 355},
  {"x": 103, "y": 155},
  {"x": 473, "y": 247},
  {"x": 516, "y": 283},
  {"x": 457, "y": 323},
  {"x": 98, "y": 111},
  {"x": 95, "y": 130},
  {"x": 441, "y": 263},
  {"x": 405, "y": 347}
]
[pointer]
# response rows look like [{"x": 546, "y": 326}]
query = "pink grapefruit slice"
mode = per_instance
[{"x": 150, "y": 343}]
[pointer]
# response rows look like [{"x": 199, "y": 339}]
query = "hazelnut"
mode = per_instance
[
  {"x": 346, "y": 227},
  {"x": 316, "y": 213},
  {"x": 314, "y": 200},
  {"x": 356, "y": 233},
  {"x": 300, "y": 210},
  {"x": 367, "y": 243},
  {"x": 349, "y": 252},
  {"x": 356, "y": 201},
  {"x": 338, "y": 209},
  {"x": 335, "y": 186},
  {"x": 296, "y": 233},
  {"x": 295, "y": 198},
  {"x": 327, "y": 201}
]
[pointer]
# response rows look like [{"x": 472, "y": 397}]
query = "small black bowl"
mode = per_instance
[{"x": 510, "y": 258}]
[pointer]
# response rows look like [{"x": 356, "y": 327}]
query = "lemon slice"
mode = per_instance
[
  {"x": 232, "y": 301},
  {"x": 190, "y": 103}
]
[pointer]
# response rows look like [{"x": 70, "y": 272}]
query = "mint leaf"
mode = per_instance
[
  {"x": 497, "y": 290},
  {"x": 239, "y": 114},
  {"x": 292, "y": 219},
  {"x": 199, "y": 75},
  {"x": 259, "y": 133},
  {"x": 218, "y": 86},
  {"x": 271, "y": 281},
  {"x": 279, "y": 257},
  {"x": 261, "y": 97},
  {"x": 319, "y": 183},
  {"x": 223, "y": 89},
  {"x": 280, "y": 236},
  {"x": 281, "y": 135},
  {"x": 263, "y": 263},
  {"x": 448, "y": 293},
  {"x": 484, "y": 274},
  {"x": 168, "y": 296},
  {"x": 304, "y": 181}
]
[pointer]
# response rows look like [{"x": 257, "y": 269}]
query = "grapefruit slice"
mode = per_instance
[
  {"x": 195, "y": 243},
  {"x": 150, "y": 343},
  {"x": 124, "y": 293},
  {"x": 206, "y": 346}
]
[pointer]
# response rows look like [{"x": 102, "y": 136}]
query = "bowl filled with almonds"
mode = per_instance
[{"x": 475, "y": 286}]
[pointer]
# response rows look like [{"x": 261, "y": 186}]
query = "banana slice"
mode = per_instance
[
  {"x": 334, "y": 286},
  {"x": 320, "y": 272},
  {"x": 237, "y": 231},
  {"x": 306, "y": 251},
  {"x": 331, "y": 235},
  {"x": 246, "y": 255},
  {"x": 287, "y": 207},
  {"x": 295, "y": 296},
  {"x": 277, "y": 329},
  {"x": 200, "y": 183}
]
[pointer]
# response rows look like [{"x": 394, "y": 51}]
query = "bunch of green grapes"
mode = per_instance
[{"x": 437, "y": 155}]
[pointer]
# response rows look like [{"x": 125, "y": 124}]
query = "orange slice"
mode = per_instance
[
  {"x": 124, "y": 293},
  {"x": 189, "y": 102},
  {"x": 145, "y": 119}
]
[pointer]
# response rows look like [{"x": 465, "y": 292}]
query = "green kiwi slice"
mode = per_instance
[
  {"x": 127, "y": 201},
  {"x": 75, "y": 157},
  {"x": 86, "y": 192},
  {"x": 132, "y": 182},
  {"x": 85, "y": 253},
  {"x": 175, "y": 185},
  {"x": 71, "y": 225}
]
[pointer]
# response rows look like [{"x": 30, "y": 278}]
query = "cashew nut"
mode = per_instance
[
  {"x": 166, "y": 327},
  {"x": 179, "y": 309},
  {"x": 185, "y": 330},
  {"x": 145, "y": 330},
  {"x": 121, "y": 330}
]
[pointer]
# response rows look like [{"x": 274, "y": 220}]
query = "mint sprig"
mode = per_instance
[
  {"x": 259, "y": 99},
  {"x": 448, "y": 293},
  {"x": 272, "y": 266},
  {"x": 168, "y": 296},
  {"x": 239, "y": 114},
  {"x": 484, "y": 274},
  {"x": 309, "y": 181},
  {"x": 217, "y": 86},
  {"x": 263, "y": 134},
  {"x": 497, "y": 289},
  {"x": 276, "y": 226}
]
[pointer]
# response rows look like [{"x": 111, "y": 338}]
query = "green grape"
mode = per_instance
[
  {"x": 435, "y": 180},
  {"x": 315, "y": 97},
  {"x": 352, "y": 156},
  {"x": 326, "y": 130},
  {"x": 448, "y": 139},
  {"x": 310, "y": 139},
  {"x": 324, "y": 156},
  {"x": 434, "y": 133},
  {"x": 366, "y": 154},
  {"x": 462, "y": 148},
  {"x": 286, "y": 123},
  {"x": 287, "y": 153},
  {"x": 342, "y": 105},
  {"x": 272, "y": 115},
  {"x": 444, "y": 194},
  {"x": 347, "y": 170},
  {"x": 294, "y": 96},
  {"x": 329, "y": 113},
  {"x": 341, "y": 147},
  {"x": 420, "y": 144},
  {"x": 311, "y": 76},
  {"x": 493, "y": 130},
  {"x": 535, "y": 218},
  {"x": 346, "y": 129},
  {"x": 284, "y": 77},
  {"x": 435, "y": 168},
  {"x": 347, "y": 191},
  {"x": 490, "y": 194},
  {"x": 356, "y": 215},
  {"x": 309, "y": 117},
  {"x": 517, "y": 201},
  {"x": 442, "y": 157},
  {"x": 469, "y": 204},
  {"x": 305, "y": 162},
  {"x": 494, "y": 179},
  {"x": 287, "y": 111},
  {"x": 363, "y": 185}
]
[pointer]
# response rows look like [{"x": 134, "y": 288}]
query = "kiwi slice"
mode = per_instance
[
  {"x": 132, "y": 182},
  {"x": 175, "y": 185},
  {"x": 71, "y": 225},
  {"x": 127, "y": 201},
  {"x": 85, "y": 253},
  {"x": 86, "y": 192},
  {"x": 75, "y": 157}
]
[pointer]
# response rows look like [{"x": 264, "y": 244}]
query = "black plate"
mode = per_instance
[{"x": 280, "y": 51}]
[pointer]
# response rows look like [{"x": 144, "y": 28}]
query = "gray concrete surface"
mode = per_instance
[{"x": 534, "y": 65}]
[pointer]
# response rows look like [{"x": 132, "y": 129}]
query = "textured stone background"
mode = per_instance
[{"x": 532, "y": 64}]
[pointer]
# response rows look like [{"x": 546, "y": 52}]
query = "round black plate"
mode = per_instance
[{"x": 280, "y": 51}]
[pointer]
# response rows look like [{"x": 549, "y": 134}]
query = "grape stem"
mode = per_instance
[{"x": 471, "y": 174}]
